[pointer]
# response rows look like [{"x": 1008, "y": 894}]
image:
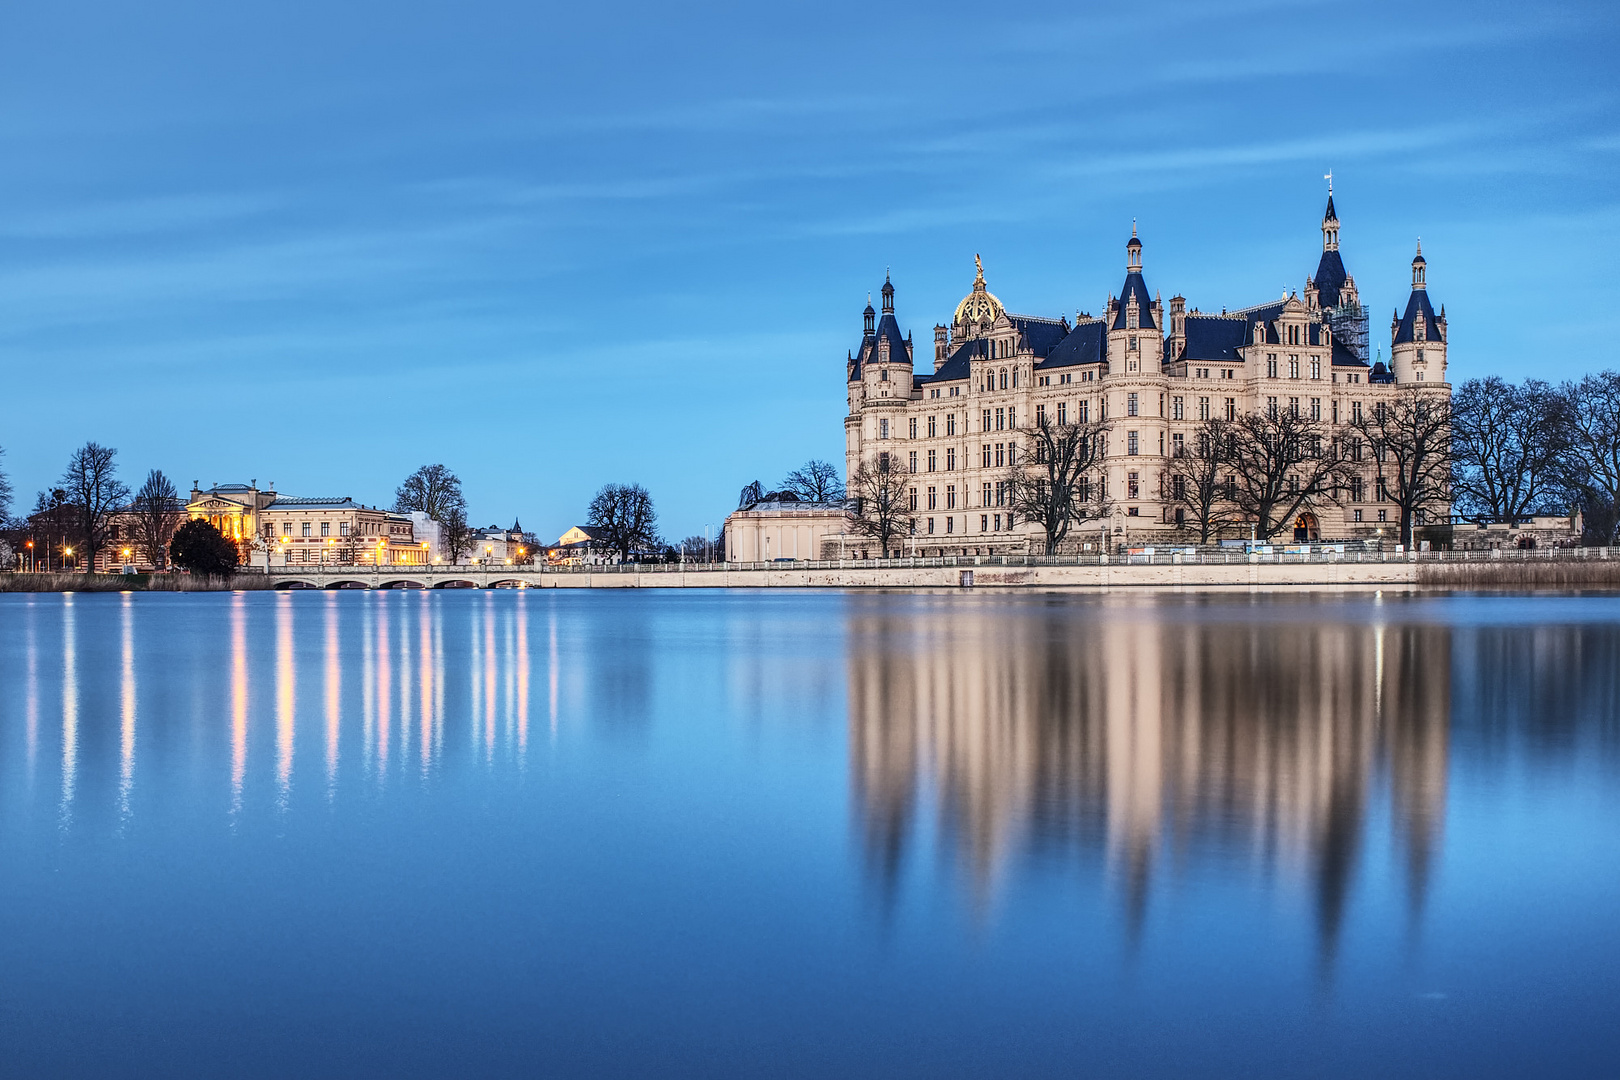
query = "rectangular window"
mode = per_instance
[
  {"x": 304, "y": 528},
  {"x": 912, "y": 461},
  {"x": 950, "y": 459},
  {"x": 1293, "y": 406},
  {"x": 1133, "y": 485},
  {"x": 932, "y": 426},
  {"x": 933, "y": 501},
  {"x": 1085, "y": 410},
  {"x": 1271, "y": 365},
  {"x": 1063, "y": 412},
  {"x": 987, "y": 420},
  {"x": 987, "y": 455},
  {"x": 1178, "y": 486},
  {"x": 987, "y": 496},
  {"x": 1383, "y": 515},
  {"x": 1130, "y": 442},
  {"x": 950, "y": 496},
  {"x": 1355, "y": 412},
  {"x": 1178, "y": 445},
  {"x": 913, "y": 498},
  {"x": 998, "y": 523},
  {"x": 950, "y": 524},
  {"x": 1012, "y": 417},
  {"x": 1203, "y": 408},
  {"x": 1358, "y": 516},
  {"x": 984, "y": 522},
  {"x": 1231, "y": 408},
  {"x": 930, "y": 526},
  {"x": 1001, "y": 451},
  {"x": 1271, "y": 407},
  {"x": 913, "y": 423},
  {"x": 1293, "y": 367},
  {"x": 883, "y": 429},
  {"x": 933, "y": 459},
  {"x": 1316, "y": 367},
  {"x": 1040, "y": 414},
  {"x": 1316, "y": 408},
  {"x": 1130, "y": 405},
  {"x": 950, "y": 423},
  {"x": 1001, "y": 419},
  {"x": 1177, "y": 409},
  {"x": 1357, "y": 490},
  {"x": 343, "y": 528}
]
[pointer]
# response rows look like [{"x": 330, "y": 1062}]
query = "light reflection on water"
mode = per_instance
[{"x": 1084, "y": 819}]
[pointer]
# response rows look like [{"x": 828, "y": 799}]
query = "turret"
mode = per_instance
[
  {"x": 1134, "y": 344},
  {"x": 1417, "y": 351},
  {"x": 942, "y": 345}
]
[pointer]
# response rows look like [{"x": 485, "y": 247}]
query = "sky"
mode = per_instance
[{"x": 556, "y": 246}]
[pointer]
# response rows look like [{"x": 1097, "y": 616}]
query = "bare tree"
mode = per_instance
[
  {"x": 457, "y": 536},
  {"x": 95, "y": 492},
  {"x": 817, "y": 481},
  {"x": 750, "y": 494},
  {"x": 1283, "y": 465},
  {"x": 1410, "y": 438},
  {"x": 878, "y": 507},
  {"x": 157, "y": 512},
  {"x": 1508, "y": 445},
  {"x": 5, "y": 493},
  {"x": 433, "y": 489},
  {"x": 624, "y": 516},
  {"x": 1201, "y": 482},
  {"x": 1592, "y": 462},
  {"x": 1050, "y": 483}
]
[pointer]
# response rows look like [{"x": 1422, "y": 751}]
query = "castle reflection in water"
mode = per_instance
[{"x": 1133, "y": 730}]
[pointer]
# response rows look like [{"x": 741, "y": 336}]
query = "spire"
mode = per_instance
[
  {"x": 870, "y": 316},
  {"x": 1133, "y": 252},
  {"x": 888, "y": 295},
  {"x": 1419, "y": 265},
  {"x": 1330, "y": 220}
]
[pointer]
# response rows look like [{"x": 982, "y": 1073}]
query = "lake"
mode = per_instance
[{"x": 808, "y": 833}]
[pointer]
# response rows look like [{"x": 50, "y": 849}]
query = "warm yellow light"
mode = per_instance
[
  {"x": 69, "y": 551},
  {"x": 126, "y": 553}
]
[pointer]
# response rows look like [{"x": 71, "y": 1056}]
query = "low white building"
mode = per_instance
[{"x": 772, "y": 530}]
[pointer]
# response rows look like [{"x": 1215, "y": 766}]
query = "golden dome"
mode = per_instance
[{"x": 980, "y": 305}]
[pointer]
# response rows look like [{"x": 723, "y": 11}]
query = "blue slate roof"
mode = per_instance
[
  {"x": 1419, "y": 302},
  {"x": 889, "y": 330},
  {"x": 958, "y": 364},
  {"x": 1087, "y": 343},
  {"x": 1214, "y": 337},
  {"x": 1381, "y": 374},
  {"x": 1343, "y": 357},
  {"x": 1041, "y": 335},
  {"x": 1330, "y": 278},
  {"x": 1330, "y": 215},
  {"x": 1135, "y": 286}
]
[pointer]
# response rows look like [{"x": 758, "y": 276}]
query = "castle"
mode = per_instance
[{"x": 1153, "y": 374}]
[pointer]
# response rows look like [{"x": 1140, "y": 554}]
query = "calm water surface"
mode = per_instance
[{"x": 743, "y": 834}]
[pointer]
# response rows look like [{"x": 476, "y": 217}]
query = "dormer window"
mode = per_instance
[
  {"x": 1419, "y": 331},
  {"x": 883, "y": 352},
  {"x": 1131, "y": 319}
]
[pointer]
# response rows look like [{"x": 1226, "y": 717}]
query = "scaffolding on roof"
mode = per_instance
[{"x": 1349, "y": 324}]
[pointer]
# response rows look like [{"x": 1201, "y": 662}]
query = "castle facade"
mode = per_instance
[{"x": 1153, "y": 374}]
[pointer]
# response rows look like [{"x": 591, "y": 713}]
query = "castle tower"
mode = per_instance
[
  {"x": 1134, "y": 345},
  {"x": 1417, "y": 349},
  {"x": 1332, "y": 291}
]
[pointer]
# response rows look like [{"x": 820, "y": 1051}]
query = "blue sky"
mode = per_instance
[{"x": 551, "y": 247}]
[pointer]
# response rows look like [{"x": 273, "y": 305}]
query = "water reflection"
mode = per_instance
[
  {"x": 1131, "y": 734},
  {"x": 70, "y": 708},
  {"x": 126, "y": 699}
]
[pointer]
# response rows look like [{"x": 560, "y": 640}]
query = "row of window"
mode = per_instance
[{"x": 1293, "y": 366}]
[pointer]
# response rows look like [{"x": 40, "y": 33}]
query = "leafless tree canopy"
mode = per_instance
[
  {"x": 5, "y": 492},
  {"x": 1594, "y": 444},
  {"x": 816, "y": 482},
  {"x": 458, "y": 538},
  {"x": 1051, "y": 484},
  {"x": 878, "y": 505},
  {"x": 1410, "y": 439},
  {"x": 95, "y": 492},
  {"x": 624, "y": 515},
  {"x": 432, "y": 489},
  {"x": 750, "y": 494},
  {"x": 158, "y": 512},
  {"x": 1508, "y": 443},
  {"x": 1201, "y": 483},
  {"x": 1284, "y": 464}
]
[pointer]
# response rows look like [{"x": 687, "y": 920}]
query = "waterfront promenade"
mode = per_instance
[{"x": 1161, "y": 570}]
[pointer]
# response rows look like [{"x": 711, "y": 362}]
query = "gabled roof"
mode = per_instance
[
  {"x": 1087, "y": 343},
  {"x": 1344, "y": 357},
  {"x": 1135, "y": 286},
  {"x": 1419, "y": 301}
]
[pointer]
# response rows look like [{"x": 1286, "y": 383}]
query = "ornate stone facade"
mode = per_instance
[{"x": 1154, "y": 373}]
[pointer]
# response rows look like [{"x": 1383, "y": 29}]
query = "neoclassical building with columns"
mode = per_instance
[{"x": 1154, "y": 373}]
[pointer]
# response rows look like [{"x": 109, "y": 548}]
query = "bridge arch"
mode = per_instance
[
  {"x": 295, "y": 583},
  {"x": 401, "y": 583},
  {"x": 347, "y": 583},
  {"x": 455, "y": 583}
]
